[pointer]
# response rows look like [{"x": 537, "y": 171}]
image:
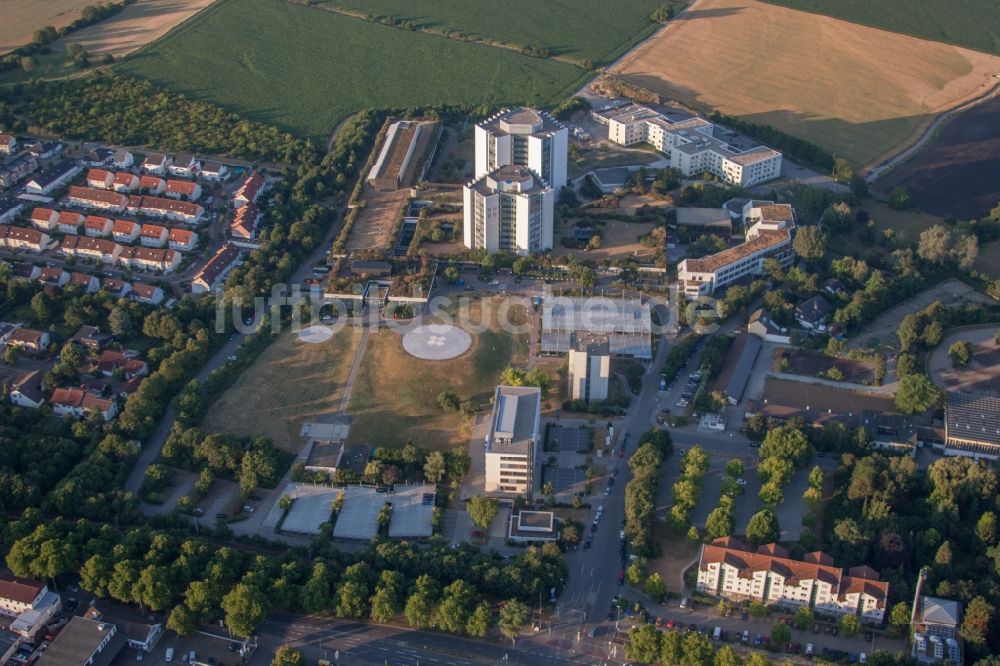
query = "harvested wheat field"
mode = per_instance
[
  {"x": 135, "y": 26},
  {"x": 858, "y": 92},
  {"x": 22, "y": 17}
]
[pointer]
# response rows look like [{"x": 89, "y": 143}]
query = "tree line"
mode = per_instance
[{"x": 192, "y": 580}]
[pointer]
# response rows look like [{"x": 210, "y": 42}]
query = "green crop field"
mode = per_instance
[
  {"x": 974, "y": 24},
  {"x": 580, "y": 29},
  {"x": 303, "y": 69}
]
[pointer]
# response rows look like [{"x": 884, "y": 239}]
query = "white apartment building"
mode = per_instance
[
  {"x": 511, "y": 208},
  {"x": 691, "y": 145},
  {"x": 589, "y": 372},
  {"x": 513, "y": 440},
  {"x": 730, "y": 569},
  {"x": 523, "y": 137},
  {"x": 769, "y": 237}
]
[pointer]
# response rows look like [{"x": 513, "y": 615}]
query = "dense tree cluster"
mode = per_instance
[
  {"x": 687, "y": 488},
  {"x": 888, "y": 513},
  {"x": 132, "y": 112},
  {"x": 452, "y": 589},
  {"x": 653, "y": 447}
]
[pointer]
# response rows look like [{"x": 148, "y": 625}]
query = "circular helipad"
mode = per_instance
[
  {"x": 315, "y": 334},
  {"x": 436, "y": 342}
]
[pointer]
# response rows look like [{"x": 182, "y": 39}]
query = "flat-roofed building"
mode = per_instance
[
  {"x": 513, "y": 440},
  {"x": 523, "y": 137},
  {"x": 626, "y": 323},
  {"x": 691, "y": 145},
  {"x": 533, "y": 526},
  {"x": 972, "y": 425},
  {"x": 509, "y": 209},
  {"x": 84, "y": 642},
  {"x": 769, "y": 237},
  {"x": 589, "y": 371}
]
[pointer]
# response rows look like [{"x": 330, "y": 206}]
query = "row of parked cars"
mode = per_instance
[{"x": 689, "y": 389}]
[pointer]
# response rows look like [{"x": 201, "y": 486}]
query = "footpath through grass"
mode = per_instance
[
  {"x": 974, "y": 24},
  {"x": 303, "y": 69}
]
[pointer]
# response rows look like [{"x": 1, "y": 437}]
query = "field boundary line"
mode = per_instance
[
  {"x": 929, "y": 132},
  {"x": 362, "y": 16},
  {"x": 191, "y": 20}
]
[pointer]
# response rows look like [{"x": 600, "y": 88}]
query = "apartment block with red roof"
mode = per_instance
[
  {"x": 45, "y": 219},
  {"x": 88, "y": 197},
  {"x": 153, "y": 185},
  {"x": 249, "y": 190},
  {"x": 181, "y": 211},
  {"x": 150, "y": 259},
  {"x": 125, "y": 231},
  {"x": 731, "y": 569},
  {"x": 77, "y": 403},
  {"x": 100, "y": 179},
  {"x": 186, "y": 189},
  {"x": 16, "y": 238},
  {"x": 69, "y": 222},
  {"x": 97, "y": 226},
  {"x": 125, "y": 182},
  {"x": 99, "y": 249},
  {"x": 153, "y": 235},
  {"x": 182, "y": 240}
]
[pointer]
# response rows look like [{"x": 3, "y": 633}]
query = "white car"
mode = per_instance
[
  {"x": 809, "y": 649},
  {"x": 684, "y": 602},
  {"x": 741, "y": 481}
]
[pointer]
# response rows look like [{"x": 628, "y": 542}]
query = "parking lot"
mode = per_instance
[{"x": 575, "y": 440}]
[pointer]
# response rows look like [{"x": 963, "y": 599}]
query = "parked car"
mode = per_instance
[{"x": 685, "y": 602}]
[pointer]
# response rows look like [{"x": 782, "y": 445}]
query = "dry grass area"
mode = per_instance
[
  {"x": 677, "y": 552},
  {"x": 816, "y": 77},
  {"x": 374, "y": 224},
  {"x": 291, "y": 382},
  {"x": 394, "y": 398},
  {"x": 134, "y": 27},
  {"x": 22, "y": 17},
  {"x": 619, "y": 239}
]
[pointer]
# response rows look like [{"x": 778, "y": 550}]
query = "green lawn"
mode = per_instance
[
  {"x": 580, "y": 29},
  {"x": 974, "y": 24},
  {"x": 302, "y": 69}
]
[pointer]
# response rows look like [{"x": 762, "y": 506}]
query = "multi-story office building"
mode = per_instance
[
  {"x": 691, "y": 145},
  {"x": 768, "y": 575},
  {"x": 769, "y": 237},
  {"x": 509, "y": 209},
  {"x": 513, "y": 440},
  {"x": 523, "y": 137}
]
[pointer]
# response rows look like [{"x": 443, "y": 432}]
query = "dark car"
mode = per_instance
[
  {"x": 621, "y": 577},
  {"x": 221, "y": 516},
  {"x": 255, "y": 498},
  {"x": 70, "y": 605},
  {"x": 587, "y": 544},
  {"x": 744, "y": 615},
  {"x": 692, "y": 627}
]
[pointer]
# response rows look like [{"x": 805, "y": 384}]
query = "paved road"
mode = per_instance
[
  {"x": 154, "y": 444},
  {"x": 363, "y": 643}
]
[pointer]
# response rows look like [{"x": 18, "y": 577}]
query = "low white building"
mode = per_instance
[
  {"x": 730, "y": 569},
  {"x": 589, "y": 372},
  {"x": 513, "y": 440},
  {"x": 691, "y": 145},
  {"x": 769, "y": 237}
]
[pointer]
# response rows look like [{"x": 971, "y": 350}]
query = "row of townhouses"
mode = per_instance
[{"x": 122, "y": 231}]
